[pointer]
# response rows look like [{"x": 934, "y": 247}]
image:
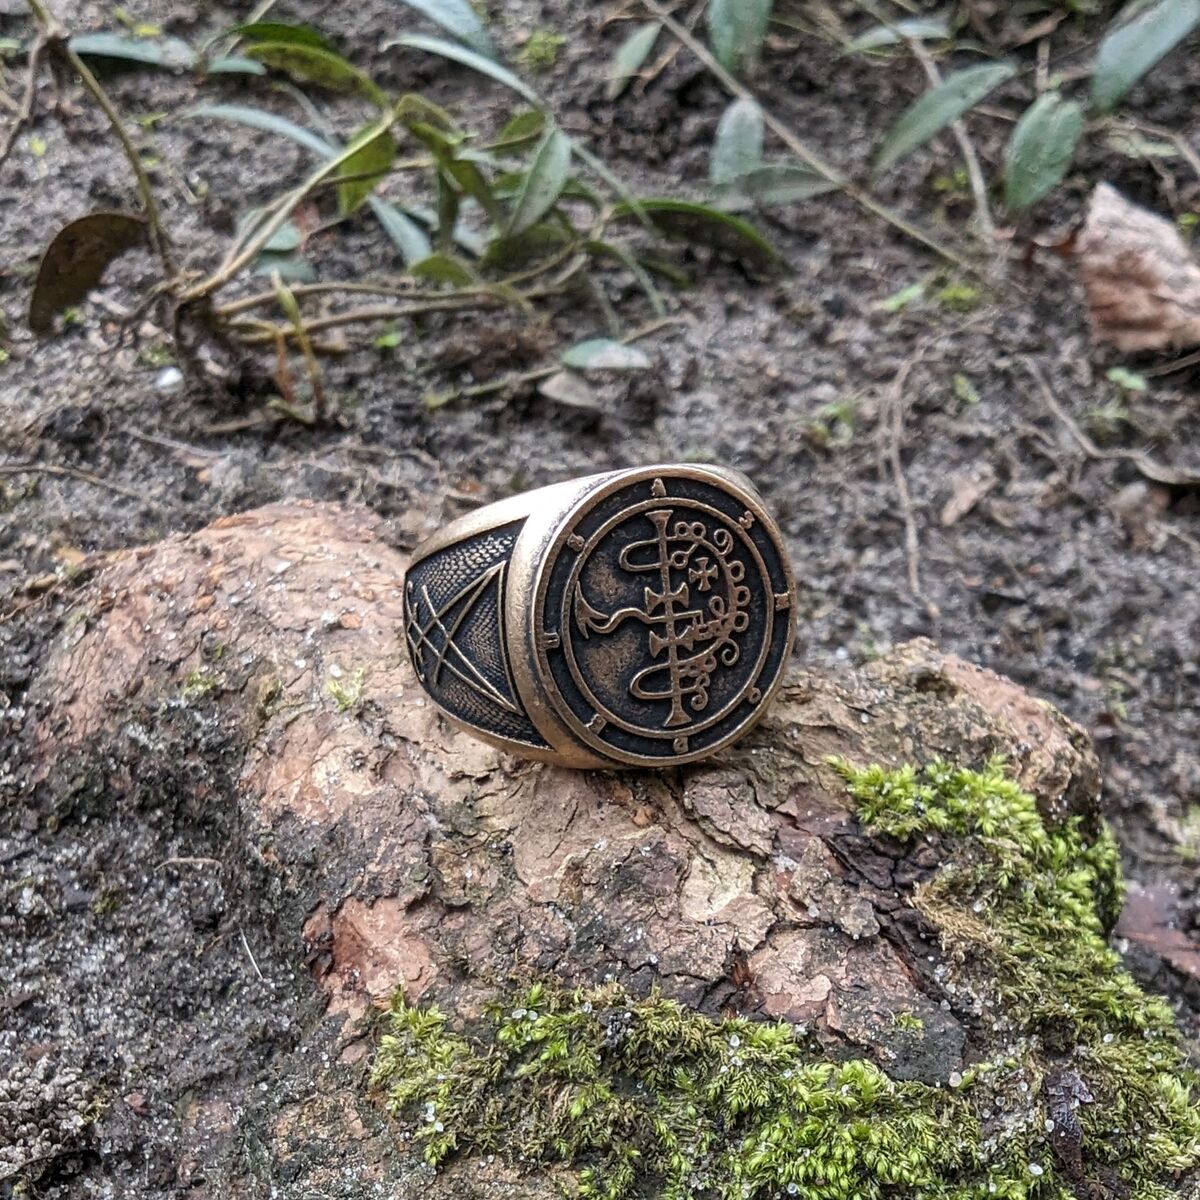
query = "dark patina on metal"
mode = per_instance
[
  {"x": 640, "y": 617},
  {"x": 665, "y": 613},
  {"x": 454, "y": 627}
]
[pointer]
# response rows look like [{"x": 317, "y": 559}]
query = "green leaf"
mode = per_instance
[
  {"x": 899, "y": 301},
  {"x": 234, "y": 64},
  {"x": 374, "y": 158},
  {"x": 604, "y": 354},
  {"x": 444, "y": 268},
  {"x": 775, "y": 183},
  {"x": 543, "y": 183},
  {"x": 404, "y": 233},
  {"x": 917, "y": 28},
  {"x": 172, "y": 53},
  {"x": 457, "y": 17},
  {"x": 313, "y": 64},
  {"x": 284, "y": 240},
  {"x": 939, "y": 107},
  {"x": 1127, "y": 380},
  {"x": 469, "y": 58},
  {"x": 707, "y": 226},
  {"x": 460, "y": 173},
  {"x": 736, "y": 31},
  {"x": 524, "y": 129},
  {"x": 1131, "y": 48},
  {"x": 288, "y": 267},
  {"x": 282, "y": 33},
  {"x": 630, "y": 57},
  {"x": 1041, "y": 149},
  {"x": 737, "y": 147}
]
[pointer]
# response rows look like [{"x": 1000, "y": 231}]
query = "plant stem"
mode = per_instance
[
  {"x": 158, "y": 235},
  {"x": 265, "y": 333},
  {"x": 983, "y": 214},
  {"x": 55, "y": 35},
  {"x": 806, "y": 155},
  {"x": 237, "y": 257}
]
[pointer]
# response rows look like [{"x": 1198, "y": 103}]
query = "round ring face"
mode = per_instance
[{"x": 664, "y": 616}]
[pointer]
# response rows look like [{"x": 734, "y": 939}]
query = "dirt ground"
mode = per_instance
[{"x": 1076, "y": 577}]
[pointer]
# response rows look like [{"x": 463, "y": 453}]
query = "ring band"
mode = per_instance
[{"x": 639, "y": 617}]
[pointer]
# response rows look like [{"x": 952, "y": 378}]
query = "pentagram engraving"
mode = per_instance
[
  {"x": 666, "y": 613},
  {"x": 454, "y": 628},
  {"x": 431, "y": 655}
]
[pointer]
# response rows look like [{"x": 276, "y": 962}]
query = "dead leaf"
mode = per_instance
[
  {"x": 967, "y": 488},
  {"x": 1149, "y": 918},
  {"x": 75, "y": 261},
  {"x": 1142, "y": 283},
  {"x": 1139, "y": 507},
  {"x": 571, "y": 389}
]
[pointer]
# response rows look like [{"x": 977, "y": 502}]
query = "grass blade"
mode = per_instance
[
  {"x": 738, "y": 145},
  {"x": 459, "y": 19},
  {"x": 467, "y": 57},
  {"x": 938, "y": 108},
  {"x": 1130, "y": 49}
]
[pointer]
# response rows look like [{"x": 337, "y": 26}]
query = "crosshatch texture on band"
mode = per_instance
[{"x": 454, "y": 626}]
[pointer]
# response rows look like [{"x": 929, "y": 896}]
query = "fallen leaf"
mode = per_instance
[
  {"x": 967, "y": 489},
  {"x": 76, "y": 259},
  {"x": 1149, "y": 918},
  {"x": 604, "y": 354},
  {"x": 571, "y": 389},
  {"x": 1139, "y": 507},
  {"x": 1141, "y": 281}
]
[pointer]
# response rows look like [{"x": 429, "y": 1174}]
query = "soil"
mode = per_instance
[{"x": 122, "y": 956}]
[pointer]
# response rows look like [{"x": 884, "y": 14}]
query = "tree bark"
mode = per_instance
[{"x": 403, "y": 853}]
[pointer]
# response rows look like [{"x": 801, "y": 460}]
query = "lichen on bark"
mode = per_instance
[{"x": 1084, "y": 1093}]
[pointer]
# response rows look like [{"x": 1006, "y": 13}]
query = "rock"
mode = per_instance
[{"x": 402, "y": 853}]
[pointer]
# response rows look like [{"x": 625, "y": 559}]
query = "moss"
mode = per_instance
[
  {"x": 1083, "y": 1092},
  {"x": 1025, "y": 908},
  {"x": 200, "y": 684},
  {"x": 959, "y": 297},
  {"x": 347, "y": 694},
  {"x": 540, "y": 52}
]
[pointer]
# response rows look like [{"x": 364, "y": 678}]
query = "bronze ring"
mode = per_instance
[{"x": 639, "y": 617}]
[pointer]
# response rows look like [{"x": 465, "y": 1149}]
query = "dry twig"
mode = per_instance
[
  {"x": 71, "y": 473},
  {"x": 1147, "y": 466}
]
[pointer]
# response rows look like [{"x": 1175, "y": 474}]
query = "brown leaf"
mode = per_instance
[
  {"x": 1149, "y": 918},
  {"x": 1142, "y": 283},
  {"x": 76, "y": 259},
  {"x": 967, "y": 489}
]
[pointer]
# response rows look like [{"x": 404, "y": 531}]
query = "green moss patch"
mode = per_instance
[{"x": 1083, "y": 1091}]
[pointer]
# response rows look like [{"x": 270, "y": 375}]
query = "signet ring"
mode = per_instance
[{"x": 639, "y": 617}]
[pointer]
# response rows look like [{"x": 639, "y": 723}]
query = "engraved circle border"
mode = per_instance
[
  {"x": 542, "y": 674},
  {"x": 581, "y": 559}
]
